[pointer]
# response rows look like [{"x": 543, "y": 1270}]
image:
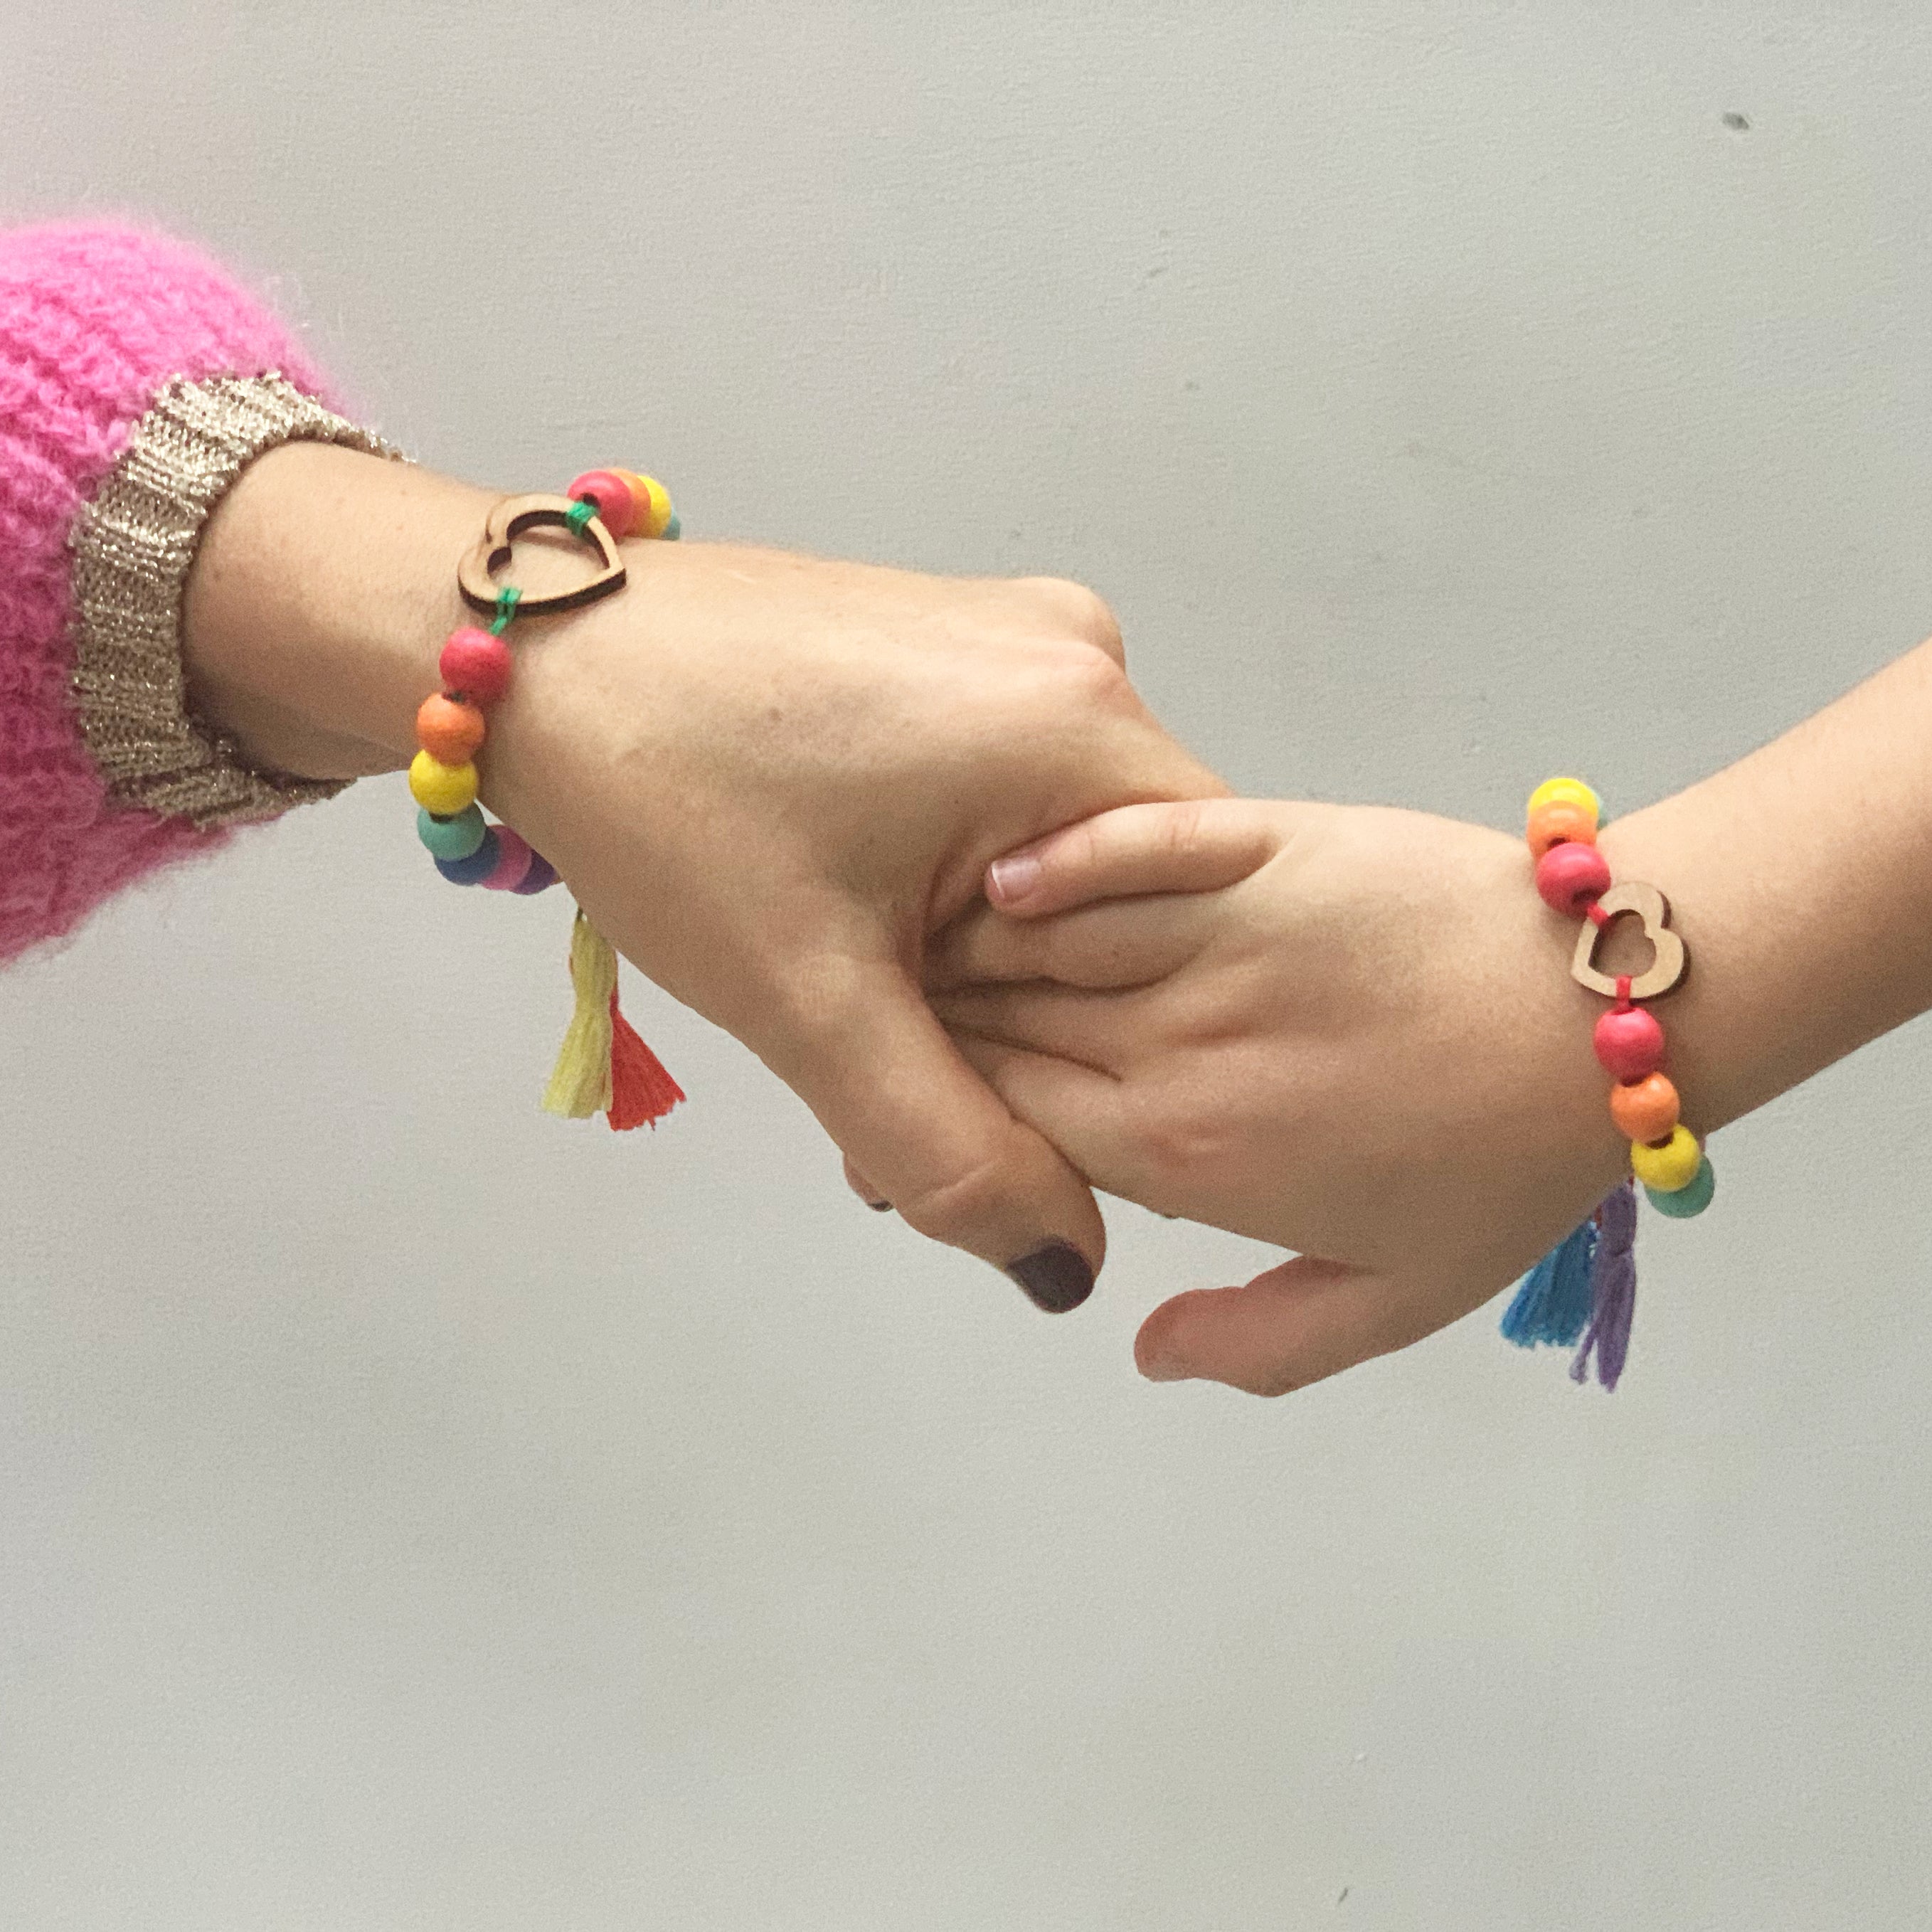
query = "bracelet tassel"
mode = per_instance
[
  {"x": 1612, "y": 1288},
  {"x": 603, "y": 1066},
  {"x": 1583, "y": 1292}
]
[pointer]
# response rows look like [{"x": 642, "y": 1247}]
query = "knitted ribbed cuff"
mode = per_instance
[{"x": 133, "y": 546}]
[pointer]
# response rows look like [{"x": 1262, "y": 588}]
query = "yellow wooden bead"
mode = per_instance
[
  {"x": 1668, "y": 1167},
  {"x": 654, "y": 502},
  {"x": 444, "y": 790},
  {"x": 1571, "y": 791}
]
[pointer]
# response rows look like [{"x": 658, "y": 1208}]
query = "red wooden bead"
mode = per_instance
[
  {"x": 1570, "y": 876},
  {"x": 475, "y": 664},
  {"x": 1629, "y": 1043},
  {"x": 616, "y": 508}
]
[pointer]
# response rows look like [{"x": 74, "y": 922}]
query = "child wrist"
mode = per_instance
[{"x": 1584, "y": 1290}]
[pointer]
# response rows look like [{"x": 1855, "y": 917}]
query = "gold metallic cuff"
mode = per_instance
[{"x": 133, "y": 548}]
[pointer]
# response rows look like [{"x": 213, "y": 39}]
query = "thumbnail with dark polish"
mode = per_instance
[{"x": 1055, "y": 1277}]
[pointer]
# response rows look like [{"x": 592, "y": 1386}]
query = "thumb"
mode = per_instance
[
  {"x": 1293, "y": 1325},
  {"x": 928, "y": 1135}
]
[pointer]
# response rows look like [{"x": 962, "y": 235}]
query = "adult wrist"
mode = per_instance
[
  {"x": 136, "y": 545},
  {"x": 325, "y": 583}
]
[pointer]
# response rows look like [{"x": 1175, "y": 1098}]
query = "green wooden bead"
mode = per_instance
[
  {"x": 452, "y": 838},
  {"x": 1686, "y": 1201}
]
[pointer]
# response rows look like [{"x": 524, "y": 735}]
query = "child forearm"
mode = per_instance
[{"x": 1800, "y": 877}]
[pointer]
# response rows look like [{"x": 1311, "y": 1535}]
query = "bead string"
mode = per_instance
[
  {"x": 1572, "y": 876},
  {"x": 604, "y": 1065},
  {"x": 1582, "y": 1293}
]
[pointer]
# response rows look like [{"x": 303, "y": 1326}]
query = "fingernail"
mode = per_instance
[
  {"x": 1014, "y": 877},
  {"x": 880, "y": 1206},
  {"x": 1162, "y": 1369},
  {"x": 1055, "y": 1277}
]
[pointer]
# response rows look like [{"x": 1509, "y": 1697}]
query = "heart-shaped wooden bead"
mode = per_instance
[
  {"x": 1668, "y": 964},
  {"x": 476, "y": 575}
]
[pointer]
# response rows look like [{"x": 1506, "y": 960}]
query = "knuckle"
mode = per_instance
[
  {"x": 1179, "y": 1143},
  {"x": 1086, "y": 680},
  {"x": 952, "y": 1210},
  {"x": 1081, "y": 611},
  {"x": 1180, "y": 828}
]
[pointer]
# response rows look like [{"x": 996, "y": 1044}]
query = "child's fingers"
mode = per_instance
[
  {"x": 1290, "y": 1327},
  {"x": 1193, "y": 845},
  {"x": 1065, "y": 1022},
  {"x": 1077, "y": 1108},
  {"x": 1098, "y": 947}
]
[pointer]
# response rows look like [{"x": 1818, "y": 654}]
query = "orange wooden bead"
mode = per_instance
[
  {"x": 449, "y": 730},
  {"x": 1553, "y": 824},
  {"x": 1645, "y": 1109}
]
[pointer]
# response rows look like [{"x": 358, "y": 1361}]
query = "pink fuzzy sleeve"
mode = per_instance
[{"x": 94, "y": 323}]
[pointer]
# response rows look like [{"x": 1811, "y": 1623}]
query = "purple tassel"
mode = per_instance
[{"x": 1612, "y": 1289}]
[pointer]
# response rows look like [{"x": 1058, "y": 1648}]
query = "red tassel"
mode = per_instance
[{"x": 641, "y": 1092}]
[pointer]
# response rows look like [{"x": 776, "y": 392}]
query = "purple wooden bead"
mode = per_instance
[
  {"x": 542, "y": 874},
  {"x": 513, "y": 861}
]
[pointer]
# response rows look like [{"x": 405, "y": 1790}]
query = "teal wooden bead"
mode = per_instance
[
  {"x": 674, "y": 528},
  {"x": 451, "y": 838},
  {"x": 1687, "y": 1201}
]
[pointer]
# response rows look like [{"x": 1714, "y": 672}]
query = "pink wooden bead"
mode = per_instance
[
  {"x": 476, "y": 663},
  {"x": 616, "y": 508},
  {"x": 1629, "y": 1043},
  {"x": 513, "y": 862},
  {"x": 1570, "y": 877}
]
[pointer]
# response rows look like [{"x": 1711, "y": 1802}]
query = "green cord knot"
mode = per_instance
[
  {"x": 581, "y": 512},
  {"x": 507, "y": 600}
]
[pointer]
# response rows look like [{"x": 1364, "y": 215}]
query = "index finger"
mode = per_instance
[{"x": 1188, "y": 845}]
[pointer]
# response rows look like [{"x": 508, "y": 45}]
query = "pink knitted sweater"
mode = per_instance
[{"x": 94, "y": 322}]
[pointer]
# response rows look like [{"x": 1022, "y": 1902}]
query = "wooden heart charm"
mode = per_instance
[
  {"x": 1666, "y": 967},
  {"x": 476, "y": 575}
]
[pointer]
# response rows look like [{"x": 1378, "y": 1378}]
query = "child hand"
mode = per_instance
[{"x": 1352, "y": 1031}]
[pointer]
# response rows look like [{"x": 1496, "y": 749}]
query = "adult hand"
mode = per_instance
[{"x": 767, "y": 778}]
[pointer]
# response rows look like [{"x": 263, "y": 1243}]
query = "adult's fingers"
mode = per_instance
[
  {"x": 1289, "y": 1327},
  {"x": 1131, "y": 944},
  {"x": 863, "y": 1050},
  {"x": 1190, "y": 845},
  {"x": 861, "y": 1186}
]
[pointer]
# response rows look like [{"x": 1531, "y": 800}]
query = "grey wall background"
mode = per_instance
[{"x": 416, "y": 1514}]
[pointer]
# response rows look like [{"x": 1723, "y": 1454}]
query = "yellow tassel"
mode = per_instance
[{"x": 579, "y": 1085}]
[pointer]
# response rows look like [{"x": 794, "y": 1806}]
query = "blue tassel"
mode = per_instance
[{"x": 1553, "y": 1305}]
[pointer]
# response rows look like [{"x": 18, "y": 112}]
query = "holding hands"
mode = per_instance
[
  {"x": 781, "y": 785},
  {"x": 1347, "y": 1031}
]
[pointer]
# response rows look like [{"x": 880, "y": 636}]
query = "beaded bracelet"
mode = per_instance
[
  {"x": 1584, "y": 1289},
  {"x": 603, "y": 1066}
]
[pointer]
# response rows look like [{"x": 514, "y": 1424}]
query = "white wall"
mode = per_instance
[{"x": 415, "y": 1514}]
